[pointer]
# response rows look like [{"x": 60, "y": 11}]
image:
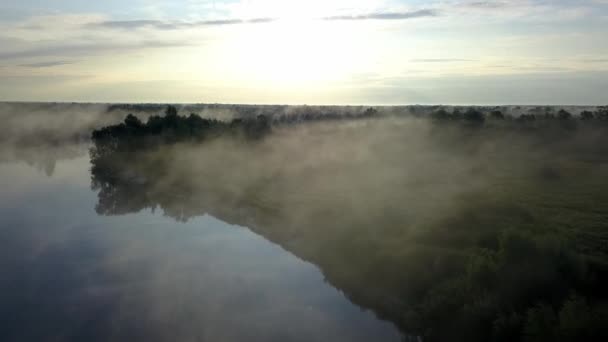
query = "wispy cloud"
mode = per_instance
[
  {"x": 171, "y": 25},
  {"x": 46, "y": 64},
  {"x": 531, "y": 10},
  {"x": 388, "y": 15},
  {"x": 80, "y": 49},
  {"x": 489, "y": 4},
  {"x": 131, "y": 24},
  {"x": 441, "y": 60},
  {"x": 177, "y": 25},
  {"x": 595, "y": 60}
]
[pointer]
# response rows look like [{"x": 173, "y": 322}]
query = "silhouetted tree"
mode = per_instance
[
  {"x": 526, "y": 118},
  {"x": 586, "y": 115},
  {"x": 474, "y": 116},
  {"x": 564, "y": 114},
  {"x": 369, "y": 112},
  {"x": 171, "y": 111},
  {"x": 549, "y": 116},
  {"x": 497, "y": 115},
  {"x": 602, "y": 113},
  {"x": 441, "y": 114},
  {"x": 457, "y": 114},
  {"x": 133, "y": 121}
]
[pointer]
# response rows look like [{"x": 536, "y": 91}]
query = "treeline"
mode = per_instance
[
  {"x": 304, "y": 114},
  {"x": 172, "y": 128},
  {"x": 475, "y": 115},
  {"x": 276, "y": 113}
]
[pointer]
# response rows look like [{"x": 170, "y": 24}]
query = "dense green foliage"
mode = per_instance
[{"x": 470, "y": 226}]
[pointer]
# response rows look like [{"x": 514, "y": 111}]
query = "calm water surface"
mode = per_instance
[{"x": 70, "y": 274}]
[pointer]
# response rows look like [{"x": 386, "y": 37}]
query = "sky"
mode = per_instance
[{"x": 305, "y": 52}]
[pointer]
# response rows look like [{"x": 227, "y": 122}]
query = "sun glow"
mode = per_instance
[
  {"x": 298, "y": 49},
  {"x": 297, "y": 53}
]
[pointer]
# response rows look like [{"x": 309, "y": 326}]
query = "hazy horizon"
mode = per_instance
[{"x": 463, "y": 105}]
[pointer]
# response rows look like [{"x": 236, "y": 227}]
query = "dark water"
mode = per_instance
[{"x": 68, "y": 273}]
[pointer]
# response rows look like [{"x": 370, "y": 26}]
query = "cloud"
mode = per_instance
[
  {"x": 46, "y": 64},
  {"x": 532, "y": 10},
  {"x": 388, "y": 15},
  {"x": 595, "y": 60},
  {"x": 488, "y": 4},
  {"x": 171, "y": 25},
  {"x": 29, "y": 79},
  {"x": 440, "y": 60},
  {"x": 131, "y": 24},
  {"x": 88, "y": 49},
  {"x": 177, "y": 25}
]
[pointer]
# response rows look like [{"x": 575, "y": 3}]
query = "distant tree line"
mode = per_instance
[
  {"x": 275, "y": 113},
  {"x": 173, "y": 128},
  {"x": 477, "y": 116},
  {"x": 314, "y": 114},
  {"x": 287, "y": 115}
]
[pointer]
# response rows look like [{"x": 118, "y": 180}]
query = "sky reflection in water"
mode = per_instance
[{"x": 71, "y": 274}]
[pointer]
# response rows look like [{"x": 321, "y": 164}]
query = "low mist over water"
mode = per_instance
[{"x": 305, "y": 223}]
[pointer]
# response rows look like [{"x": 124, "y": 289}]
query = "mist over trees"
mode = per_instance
[{"x": 465, "y": 224}]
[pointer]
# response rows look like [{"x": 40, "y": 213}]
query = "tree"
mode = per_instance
[
  {"x": 540, "y": 324},
  {"x": 369, "y": 112},
  {"x": 586, "y": 115},
  {"x": 580, "y": 321},
  {"x": 133, "y": 121},
  {"x": 602, "y": 113},
  {"x": 526, "y": 118},
  {"x": 497, "y": 115},
  {"x": 456, "y": 114},
  {"x": 564, "y": 114},
  {"x": 441, "y": 114},
  {"x": 171, "y": 117},
  {"x": 507, "y": 327},
  {"x": 171, "y": 111},
  {"x": 474, "y": 116}
]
